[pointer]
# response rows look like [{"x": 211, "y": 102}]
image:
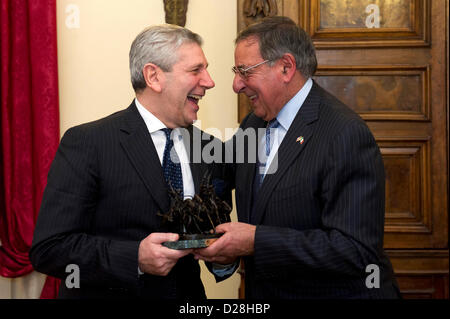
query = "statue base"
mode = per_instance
[{"x": 189, "y": 241}]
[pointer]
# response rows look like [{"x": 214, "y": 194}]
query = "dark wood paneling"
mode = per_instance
[
  {"x": 380, "y": 92},
  {"x": 423, "y": 286},
  {"x": 421, "y": 274},
  {"x": 349, "y": 24},
  {"x": 337, "y": 14},
  {"x": 408, "y": 222}
]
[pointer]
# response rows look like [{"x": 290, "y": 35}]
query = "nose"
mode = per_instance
[
  {"x": 238, "y": 83},
  {"x": 206, "y": 81}
]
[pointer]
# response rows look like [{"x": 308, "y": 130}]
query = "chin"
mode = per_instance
[
  {"x": 190, "y": 121},
  {"x": 259, "y": 114},
  {"x": 193, "y": 119}
]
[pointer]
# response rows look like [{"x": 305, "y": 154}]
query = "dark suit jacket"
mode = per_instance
[
  {"x": 320, "y": 216},
  {"x": 104, "y": 190}
]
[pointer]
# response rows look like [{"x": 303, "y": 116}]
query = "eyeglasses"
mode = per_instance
[{"x": 243, "y": 72}]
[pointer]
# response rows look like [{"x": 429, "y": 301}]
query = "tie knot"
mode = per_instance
[
  {"x": 273, "y": 124},
  {"x": 167, "y": 131}
]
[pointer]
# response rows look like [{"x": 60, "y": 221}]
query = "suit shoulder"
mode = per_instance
[
  {"x": 336, "y": 113},
  {"x": 99, "y": 125}
]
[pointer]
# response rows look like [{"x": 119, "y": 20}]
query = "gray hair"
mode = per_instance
[
  {"x": 158, "y": 45},
  {"x": 279, "y": 35}
]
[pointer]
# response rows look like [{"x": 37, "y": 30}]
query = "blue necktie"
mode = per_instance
[
  {"x": 172, "y": 170},
  {"x": 260, "y": 167}
]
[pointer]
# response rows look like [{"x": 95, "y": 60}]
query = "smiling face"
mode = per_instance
[
  {"x": 184, "y": 86},
  {"x": 263, "y": 84}
]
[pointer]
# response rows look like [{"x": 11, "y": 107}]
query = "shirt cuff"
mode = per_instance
[{"x": 224, "y": 270}]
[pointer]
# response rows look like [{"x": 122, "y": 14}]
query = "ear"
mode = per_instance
[
  {"x": 288, "y": 67},
  {"x": 153, "y": 76}
]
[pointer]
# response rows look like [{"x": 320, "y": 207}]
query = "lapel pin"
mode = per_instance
[{"x": 300, "y": 139}]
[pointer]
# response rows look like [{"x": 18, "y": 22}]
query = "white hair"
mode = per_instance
[{"x": 157, "y": 44}]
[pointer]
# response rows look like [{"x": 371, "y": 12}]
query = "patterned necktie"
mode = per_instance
[{"x": 172, "y": 169}]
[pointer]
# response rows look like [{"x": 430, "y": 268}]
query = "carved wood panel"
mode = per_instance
[
  {"x": 336, "y": 14},
  {"x": 421, "y": 274},
  {"x": 408, "y": 206},
  {"x": 362, "y": 23},
  {"x": 380, "y": 92}
]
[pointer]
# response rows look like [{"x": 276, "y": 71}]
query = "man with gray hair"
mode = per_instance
[
  {"x": 110, "y": 179},
  {"x": 312, "y": 227}
]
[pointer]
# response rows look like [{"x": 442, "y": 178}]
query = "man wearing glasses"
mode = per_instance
[{"x": 311, "y": 224}]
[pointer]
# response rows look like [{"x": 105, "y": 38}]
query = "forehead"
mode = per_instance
[
  {"x": 190, "y": 54},
  {"x": 247, "y": 52}
]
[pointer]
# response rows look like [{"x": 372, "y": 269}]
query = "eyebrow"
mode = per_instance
[{"x": 199, "y": 65}]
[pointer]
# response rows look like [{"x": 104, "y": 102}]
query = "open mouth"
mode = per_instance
[
  {"x": 194, "y": 98},
  {"x": 252, "y": 98}
]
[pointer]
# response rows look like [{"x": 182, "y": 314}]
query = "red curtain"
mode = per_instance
[{"x": 29, "y": 125}]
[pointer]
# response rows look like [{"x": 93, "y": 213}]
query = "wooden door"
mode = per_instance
[{"x": 387, "y": 60}]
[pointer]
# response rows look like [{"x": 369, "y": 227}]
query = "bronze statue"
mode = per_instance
[{"x": 195, "y": 219}]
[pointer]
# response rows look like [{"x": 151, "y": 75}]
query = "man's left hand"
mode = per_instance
[{"x": 238, "y": 240}]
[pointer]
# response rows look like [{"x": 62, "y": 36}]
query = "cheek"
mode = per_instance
[
  {"x": 265, "y": 94},
  {"x": 270, "y": 89},
  {"x": 261, "y": 84}
]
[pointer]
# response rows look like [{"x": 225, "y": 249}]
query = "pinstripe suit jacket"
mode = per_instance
[
  {"x": 320, "y": 216},
  {"x": 104, "y": 189}
]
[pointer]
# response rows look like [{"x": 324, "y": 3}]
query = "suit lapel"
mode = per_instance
[
  {"x": 139, "y": 147},
  {"x": 249, "y": 170},
  {"x": 295, "y": 141}
]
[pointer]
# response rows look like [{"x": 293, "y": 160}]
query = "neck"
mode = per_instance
[
  {"x": 288, "y": 91},
  {"x": 151, "y": 104},
  {"x": 295, "y": 85},
  {"x": 146, "y": 101}
]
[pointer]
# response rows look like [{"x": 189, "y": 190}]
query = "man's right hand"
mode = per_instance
[{"x": 156, "y": 259}]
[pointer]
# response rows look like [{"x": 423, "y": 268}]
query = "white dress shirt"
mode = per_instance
[
  {"x": 154, "y": 126},
  {"x": 285, "y": 117}
]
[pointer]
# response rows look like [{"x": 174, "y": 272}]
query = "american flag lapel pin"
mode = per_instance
[{"x": 300, "y": 139}]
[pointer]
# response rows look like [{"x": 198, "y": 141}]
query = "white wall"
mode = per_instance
[
  {"x": 93, "y": 59},
  {"x": 94, "y": 77}
]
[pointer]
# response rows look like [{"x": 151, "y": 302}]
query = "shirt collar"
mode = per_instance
[
  {"x": 287, "y": 114},
  {"x": 151, "y": 121}
]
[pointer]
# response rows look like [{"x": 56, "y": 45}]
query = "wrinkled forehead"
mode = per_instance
[
  {"x": 191, "y": 54},
  {"x": 247, "y": 52}
]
